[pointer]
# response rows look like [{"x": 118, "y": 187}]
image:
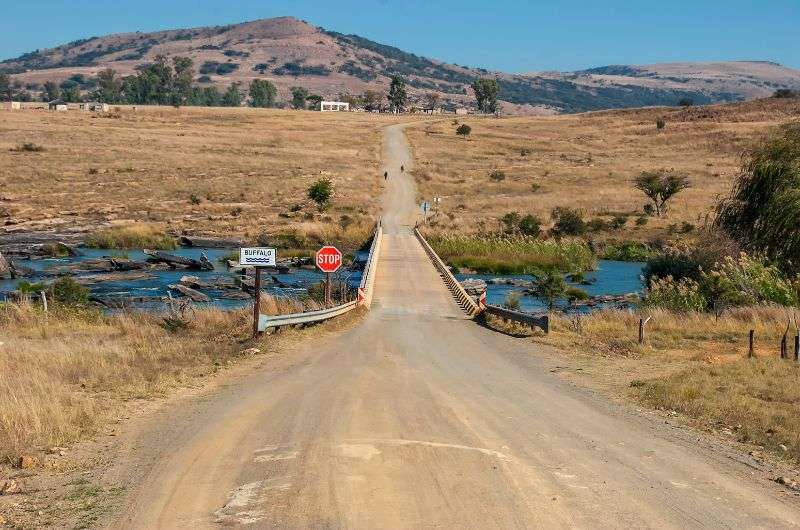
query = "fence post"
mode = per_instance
[
  {"x": 751, "y": 351},
  {"x": 797, "y": 346},
  {"x": 784, "y": 349},
  {"x": 44, "y": 304},
  {"x": 642, "y": 324}
]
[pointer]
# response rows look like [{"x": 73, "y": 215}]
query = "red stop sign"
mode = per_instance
[{"x": 329, "y": 259}]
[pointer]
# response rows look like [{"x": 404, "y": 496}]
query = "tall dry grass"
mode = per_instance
[
  {"x": 698, "y": 365},
  {"x": 132, "y": 236},
  {"x": 62, "y": 377}
]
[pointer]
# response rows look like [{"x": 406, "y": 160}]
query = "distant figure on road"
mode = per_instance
[
  {"x": 385, "y": 175},
  {"x": 402, "y": 169}
]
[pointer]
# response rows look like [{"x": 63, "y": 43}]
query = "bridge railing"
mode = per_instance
[
  {"x": 538, "y": 321},
  {"x": 464, "y": 300},
  {"x": 469, "y": 305},
  {"x": 364, "y": 295}
]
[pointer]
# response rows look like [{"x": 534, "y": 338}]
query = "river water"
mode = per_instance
[
  {"x": 610, "y": 278},
  {"x": 291, "y": 285}
]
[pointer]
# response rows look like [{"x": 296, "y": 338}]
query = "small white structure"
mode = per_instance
[
  {"x": 461, "y": 112},
  {"x": 58, "y": 105},
  {"x": 14, "y": 105},
  {"x": 334, "y": 106}
]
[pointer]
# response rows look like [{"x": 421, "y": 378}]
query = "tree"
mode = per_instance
[
  {"x": 463, "y": 130},
  {"x": 71, "y": 94},
  {"x": 660, "y": 186},
  {"x": 321, "y": 192},
  {"x": 685, "y": 102},
  {"x": 567, "y": 222},
  {"x": 262, "y": 93},
  {"x": 314, "y": 101},
  {"x": 232, "y": 96},
  {"x": 762, "y": 212},
  {"x": 51, "y": 91},
  {"x": 372, "y": 100},
  {"x": 786, "y": 93},
  {"x": 486, "y": 93},
  {"x": 397, "y": 94},
  {"x": 549, "y": 287},
  {"x": 299, "y": 97},
  {"x": 432, "y": 99},
  {"x": 181, "y": 80},
  {"x": 109, "y": 86},
  {"x": 5, "y": 87}
]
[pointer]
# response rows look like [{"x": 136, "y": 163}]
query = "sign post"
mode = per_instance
[
  {"x": 257, "y": 257},
  {"x": 328, "y": 259}
]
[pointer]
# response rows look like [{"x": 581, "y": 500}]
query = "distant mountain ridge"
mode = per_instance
[{"x": 291, "y": 52}]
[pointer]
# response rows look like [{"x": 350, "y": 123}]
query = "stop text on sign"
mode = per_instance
[{"x": 329, "y": 259}]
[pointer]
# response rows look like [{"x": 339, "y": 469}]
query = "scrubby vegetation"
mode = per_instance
[
  {"x": 513, "y": 255},
  {"x": 135, "y": 236}
]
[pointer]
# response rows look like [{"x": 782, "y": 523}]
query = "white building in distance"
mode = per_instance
[{"x": 334, "y": 106}]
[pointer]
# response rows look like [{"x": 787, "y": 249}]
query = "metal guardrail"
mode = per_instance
[
  {"x": 308, "y": 317},
  {"x": 366, "y": 288},
  {"x": 464, "y": 300},
  {"x": 364, "y": 296},
  {"x": 540, "y": 321}
]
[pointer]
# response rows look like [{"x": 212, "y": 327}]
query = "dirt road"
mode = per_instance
[{"x": 419, "y": 418}]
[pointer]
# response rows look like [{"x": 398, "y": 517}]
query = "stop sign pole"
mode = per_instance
[{"x": 328, "y": 259}]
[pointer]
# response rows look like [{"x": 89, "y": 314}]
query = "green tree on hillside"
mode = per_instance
[
  {"x": 314, "y": 101},
  {"x": 71, "y": 94},
  {"x": 183, "y": 75},
  {"x": 5, "y": 87},
  {"x": 109, "y": 86},
  {"x": 262, "y": 93},
  {"x": 233, "y": 96},
  {"x": 321, "y": 192},
  {"x": 660, "y": 186},
  {"x": 51, "y": 91},
  {"x": 398, "y": 97},
  {"x": 486, "y": 93},
  {"x": 299, "y": 97}
]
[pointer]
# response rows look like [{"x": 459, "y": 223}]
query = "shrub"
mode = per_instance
[
  {"x": 67, "y": 291},
  {"x": 321, "y": 192},
  {"x": 497, "y": 175},
  {"x": 641, "y": 220},
  {"x": 747, "y": 280},
  {"x": 680, "y": 295},
  {"x": 29, "y": 147},
  {"x": 660, "y": 123},
  {"x": 194, "y": 199},
  {"x": 549, "y": 287},
  {"x": 628, "y": 251},
  {"x": 464, "y": 130},
  {"x": 575, "y": 294},
  {"x": 597, "y": 224},
  {"x": 530, "y": 225},
  {"x": 686, "y": 261},
  {"x": 618, "y": 221},
  {"x": 568, "y": 222},
  {"x": 786, "y": 93},
  {"x": 510, "y": 222}
]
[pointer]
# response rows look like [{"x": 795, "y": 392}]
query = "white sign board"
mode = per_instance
[{"x": 257, "y": 257}]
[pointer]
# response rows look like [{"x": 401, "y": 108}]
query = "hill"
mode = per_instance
[{"x": 291, "y": 52}]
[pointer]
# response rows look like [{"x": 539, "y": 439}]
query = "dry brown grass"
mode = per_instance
[
  {"x": 224, "y": 171},
  {"x": 697, "y": 365},
  {"x": 586, "y": 161},
  {"x": 61, "y": 378}
]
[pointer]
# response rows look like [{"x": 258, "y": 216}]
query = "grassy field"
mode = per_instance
[
  {"x": 586, "y": 161},
  {"x": 198, "y": 170},
  {"x": 695, "y": 365},
  {"x": 63, "y": 377}
]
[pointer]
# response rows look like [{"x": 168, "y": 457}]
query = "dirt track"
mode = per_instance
[{"x": 419, "y": 418}]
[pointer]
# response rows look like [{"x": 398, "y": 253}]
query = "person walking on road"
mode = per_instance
[
  {"x": 402, "y": 169},
  {"x": 385, "y": 175}
]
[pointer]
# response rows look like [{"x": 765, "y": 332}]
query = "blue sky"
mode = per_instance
[{"x": 508, "y": 35}]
